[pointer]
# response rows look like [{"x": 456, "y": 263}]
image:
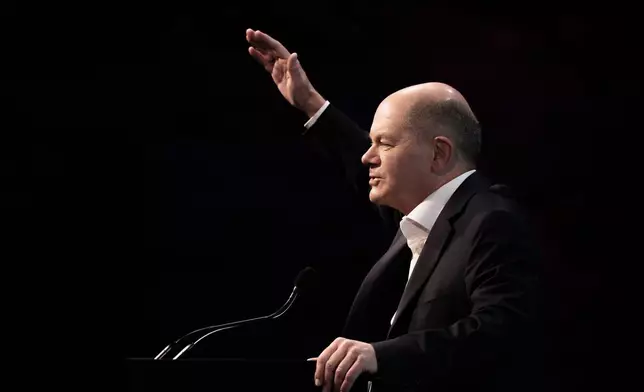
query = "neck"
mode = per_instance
[{"x": 441, "y": 181}]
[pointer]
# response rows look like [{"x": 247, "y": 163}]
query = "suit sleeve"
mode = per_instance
[
  {"x": 346, "y": 142},
  {"x": 501, "y": 280}
]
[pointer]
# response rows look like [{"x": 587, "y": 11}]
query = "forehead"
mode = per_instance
[{"x": 388, "y": 121}]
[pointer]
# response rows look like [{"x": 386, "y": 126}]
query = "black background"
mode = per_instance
[{"x": 156, "y": 181}]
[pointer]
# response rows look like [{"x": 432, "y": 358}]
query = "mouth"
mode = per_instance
[{"x": 374, "y": 181}]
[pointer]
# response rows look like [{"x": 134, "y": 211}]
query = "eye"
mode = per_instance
[{"x": 383, "y": 143}]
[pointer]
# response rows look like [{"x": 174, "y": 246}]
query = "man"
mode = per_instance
[{"x": 450, "y": 305}]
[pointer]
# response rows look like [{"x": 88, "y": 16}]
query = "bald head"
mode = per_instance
[
  {"x": 428, "y": 92},
  {"x": 437, "y": 109},
  {"x": 422, "y": 137}
]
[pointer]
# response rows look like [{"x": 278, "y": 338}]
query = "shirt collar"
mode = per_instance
[{"x": 426, "y": 213}]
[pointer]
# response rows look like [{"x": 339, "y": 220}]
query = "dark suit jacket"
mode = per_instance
[{"x": 467, "y": 317}]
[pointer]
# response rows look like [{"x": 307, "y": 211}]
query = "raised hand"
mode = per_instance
[{"x": 286, "y": 71}]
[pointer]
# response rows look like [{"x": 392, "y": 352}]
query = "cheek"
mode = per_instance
[
  {"x": 395, "y": 168},
  {"x": 404, "y": 171}
]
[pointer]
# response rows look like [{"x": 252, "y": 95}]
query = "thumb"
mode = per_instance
[{"x": 293, "y": 64}]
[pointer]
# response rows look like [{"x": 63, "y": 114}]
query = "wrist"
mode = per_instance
[{"x": 313, "y": 104}]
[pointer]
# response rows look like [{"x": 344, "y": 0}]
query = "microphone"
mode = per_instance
[{"x": 305, "y": 281}]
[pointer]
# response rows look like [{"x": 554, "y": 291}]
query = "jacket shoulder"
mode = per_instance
[{"x": 496, "y": 206}]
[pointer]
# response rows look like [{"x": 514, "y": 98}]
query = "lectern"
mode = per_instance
[
  {"x": 220, "y": 374},
  {"x": 225, "y": 374}
]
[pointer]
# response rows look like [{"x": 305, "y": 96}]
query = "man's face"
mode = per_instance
[{"x": 399, "y": 161}]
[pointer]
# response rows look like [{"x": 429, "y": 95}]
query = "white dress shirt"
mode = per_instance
[
  {"x": 315, "y": 117},
  {"x": 417, "y": 225}
]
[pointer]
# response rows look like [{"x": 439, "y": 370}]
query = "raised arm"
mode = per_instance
[{"x": 335, "y": 131}]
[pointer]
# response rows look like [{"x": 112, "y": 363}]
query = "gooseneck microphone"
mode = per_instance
[{"x": 304, "y": 281}]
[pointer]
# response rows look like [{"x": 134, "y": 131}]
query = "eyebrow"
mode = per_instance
[
  {"x": 382, "y": 135},
  {"x": 377, "y": 134}
]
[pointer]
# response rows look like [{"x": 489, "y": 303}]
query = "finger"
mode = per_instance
[
  {"x": 279, "y": 71},
  {"x": 256, "y": 40},
  {"x": 264, "y": 59},
  {"x": 264, "y": 52},
  {"x": 265, "y": 41},
  {"x": 250, "y": 35},
  {"x": 343, "y": 368},
  {"x": 351, "y": 376},
  {"x": 322, "y": 360},
  {"x": 320, "y": 365},
  {"x": 331, "y": 366}
]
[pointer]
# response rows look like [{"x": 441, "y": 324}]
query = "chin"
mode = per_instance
[{"x": 375, "y": 196}]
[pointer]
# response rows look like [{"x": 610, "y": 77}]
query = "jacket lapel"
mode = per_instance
[
  {"x": 379, "y": 270},
  {"x": 436, "y": 241},
  {"x": 375, "y": 287}
]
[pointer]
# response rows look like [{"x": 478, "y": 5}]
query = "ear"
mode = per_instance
[{"x": 443, "y": 154}]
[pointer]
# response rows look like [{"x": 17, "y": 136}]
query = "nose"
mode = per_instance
[{"x": 370, "y": 157}]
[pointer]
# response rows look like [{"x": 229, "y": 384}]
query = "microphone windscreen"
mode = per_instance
[{"x": 307, "y": 279}]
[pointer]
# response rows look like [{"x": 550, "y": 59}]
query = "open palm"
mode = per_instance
[{"x": 285, "y": 69}]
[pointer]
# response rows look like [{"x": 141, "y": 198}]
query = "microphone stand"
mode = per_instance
[{"x": 216, "y": 328}]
